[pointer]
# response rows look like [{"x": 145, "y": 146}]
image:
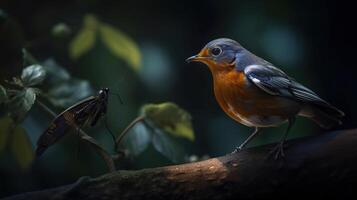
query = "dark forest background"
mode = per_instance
[{"x": 313, "y": 41}]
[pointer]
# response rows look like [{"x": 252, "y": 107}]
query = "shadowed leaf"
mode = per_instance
[
  {"x": 6, "y": 124},
  {"x": 170, "y": 118},
  {"x": 3, "y": 101},
  {"x": 63, "y": 90},
  {"x": 168, "y": 146},
  {"x": 3, "y": 95},
  {"x": 55, "y": 72},
  {"x": 33, "y": 75},
  {"x": 162, "y": 124},
  {"x": 21, "y": 148},
  {"x": 121, "y": 45},
  {"x": 21, "y": 103},
  {"x": 85, "y": 38},
  {"x": 69, "y": 92},
  {"x": 138, "y": 139}
]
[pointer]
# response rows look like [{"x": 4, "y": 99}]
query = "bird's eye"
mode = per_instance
[{"x": 216, "y": 51}]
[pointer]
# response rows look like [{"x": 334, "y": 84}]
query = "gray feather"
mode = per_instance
[{"x": 275, "y": 82}]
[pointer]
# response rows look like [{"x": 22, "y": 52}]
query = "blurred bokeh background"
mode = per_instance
[{"x": 312, "y": 41}]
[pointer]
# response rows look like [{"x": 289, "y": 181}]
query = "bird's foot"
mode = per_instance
[
  {"x": 236, "y": 150},
  {"x": 278, "y": 151}
]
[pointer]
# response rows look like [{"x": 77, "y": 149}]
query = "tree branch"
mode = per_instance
[{"x": 324, "y": 165}]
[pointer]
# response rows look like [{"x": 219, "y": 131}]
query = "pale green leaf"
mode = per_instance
[
  {"x": 21, "y": 103},
  {"x": 33, "y": 75},
  {"x": 121, "y": 45},
  {"x": 170, "y": 118},
  {"x": 6, "y": 125},
  {"x": 21, "y": 148},
  {"x": 85, "y": 39}
]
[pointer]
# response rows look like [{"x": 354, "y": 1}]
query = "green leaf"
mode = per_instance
[
  {"x": 3, "y": 95},
  {"x": 67, "y": 93},
  {"x": 168, "y": 146},
  {"x": 6, "y": 125},
  {"x": 170, "y": 118},
  {"x": 138, "y": 139},
  {"x": 85, "y": 39},
  {"x": 121, "y": 45},
  {"x": 21, "y": 103},
  {"x": 21, "y": 148},
  {"x": 55, "y": 73},
  {"x": 33, "y": 75}
]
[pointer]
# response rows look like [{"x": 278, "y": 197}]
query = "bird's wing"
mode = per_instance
[{"x": 275, "y": 82}]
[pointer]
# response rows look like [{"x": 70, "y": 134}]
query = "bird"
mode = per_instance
[{"x": 255, "y": 93}]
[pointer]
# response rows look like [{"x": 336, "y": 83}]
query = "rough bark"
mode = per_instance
[{"x": 323, "y": 166}]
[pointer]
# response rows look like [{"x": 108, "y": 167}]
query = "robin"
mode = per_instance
[{"x": 257, "y": 94}]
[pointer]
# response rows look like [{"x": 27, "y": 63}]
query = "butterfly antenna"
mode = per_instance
[
  {"x": 110, "y": 132},
  {"x": 78, "y": 142},
  {"x": 117, "y": 95}
]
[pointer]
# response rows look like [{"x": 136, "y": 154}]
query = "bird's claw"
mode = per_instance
[{"x": 278, "y": 151}]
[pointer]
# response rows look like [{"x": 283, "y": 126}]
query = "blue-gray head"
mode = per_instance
[{"x": 218, "y": 53}]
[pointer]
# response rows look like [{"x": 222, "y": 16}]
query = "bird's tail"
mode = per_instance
[{"x": 325, "y": 115}]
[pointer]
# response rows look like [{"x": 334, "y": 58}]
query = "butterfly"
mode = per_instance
[{"x": 87, "y": 111}]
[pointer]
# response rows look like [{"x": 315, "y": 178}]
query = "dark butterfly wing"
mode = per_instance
[
  {"x": 99, "y": 112},
  {"x": 61, "y": 123}
]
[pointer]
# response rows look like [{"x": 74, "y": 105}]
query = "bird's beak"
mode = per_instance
[
  {"x": 196, "y": 58},
  {"x": 200, "y": 57},
  {"x": 193, "y": 58}
]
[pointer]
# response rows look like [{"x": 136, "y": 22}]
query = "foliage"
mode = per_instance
[
  {"x": 85, "y": 38},
  {"x": 165, "y": 126},
  {"x": 5, "y": 126},
  {"x": 121, "y": 45},
  {"x": 21, "y": 147},
  {"x": 21, "y": 100},
  {"x": 161, "y": 125},
  {"x": 33, "y": 75},
  {"x": 62, "y": 89},
  {"x": 15, "y": 104},
  {"x": 170, "y": 118},
  {"x": 15, "y": 137}
]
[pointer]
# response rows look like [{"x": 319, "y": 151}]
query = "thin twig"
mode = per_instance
[
  {"x": 46, "y": 108},
  {"x": 85, "y": 137},
  {"x": 126, "y": 130}
]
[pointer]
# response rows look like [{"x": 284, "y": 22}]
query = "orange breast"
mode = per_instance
[{"x": 249, "y": 105}]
